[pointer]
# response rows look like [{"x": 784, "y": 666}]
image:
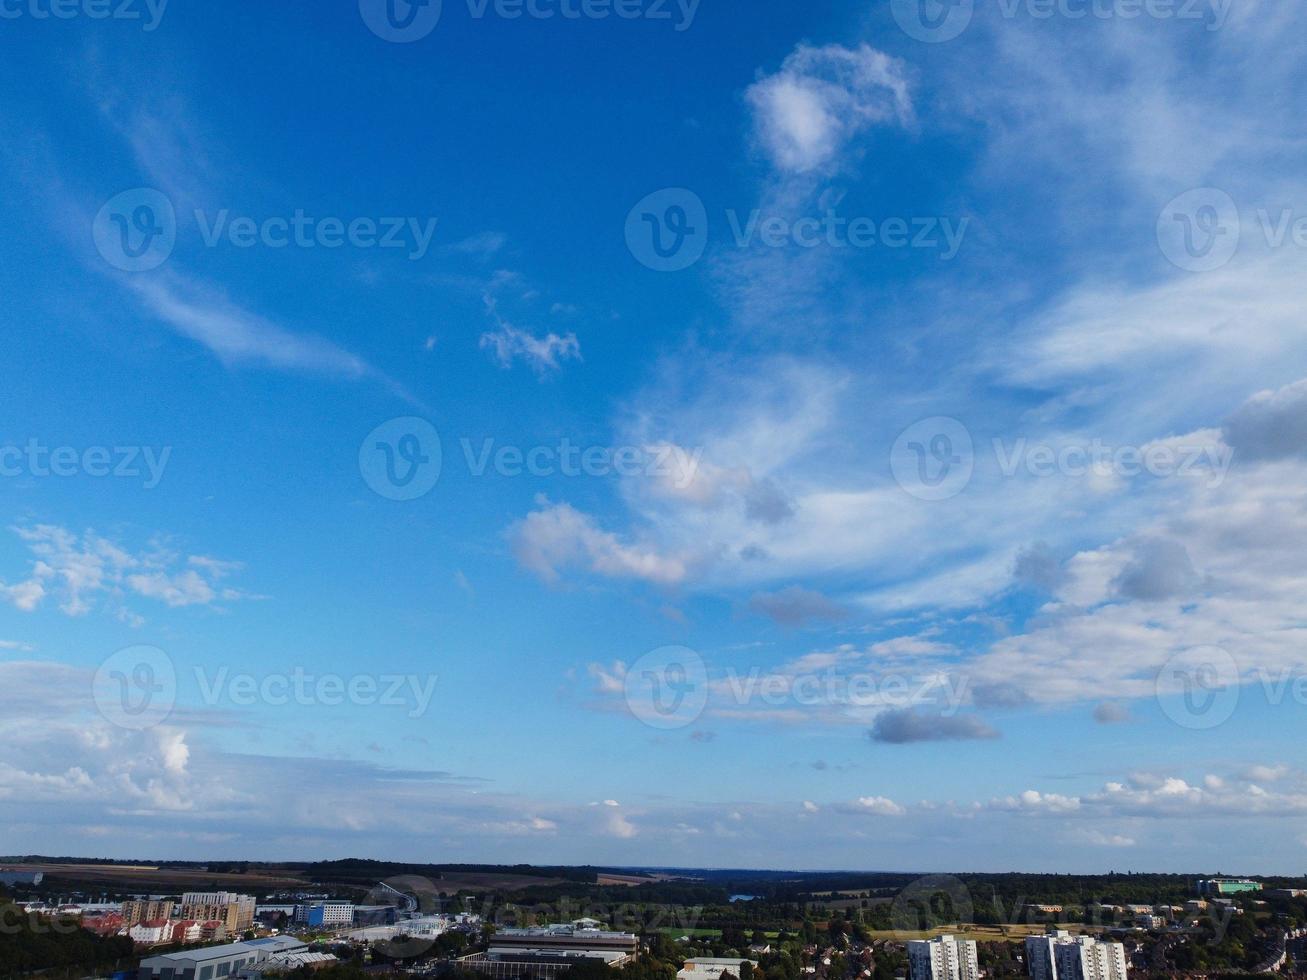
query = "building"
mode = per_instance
[
  {"x": 236, "y": 912},
  {"x": 152, "y": 932},
  {"x": 146, "y": 910},
  {"x": 1220, "y": 887},
  {"x": 943, "y": 958},
  {"x": 109, "y": 924},
  {"x": 11, "y": 876},
  {"x": 1061, "y": 956},
  {"x": 325, "y": 914},
  {"x": 543, "y": 953},
  {"x": 215, "y": 962},
  {"x": 712, "y": 967},
  {"x": 538, "y": 964},
  {"x": 569, "y": 936}
]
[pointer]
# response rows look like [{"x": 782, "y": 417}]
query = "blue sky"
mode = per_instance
[{"x": 942, "y": 457}]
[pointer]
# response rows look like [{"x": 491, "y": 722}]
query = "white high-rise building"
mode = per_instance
[
  {"x": 943, "y": 958},
  {"x": 1061, "y": 956}
]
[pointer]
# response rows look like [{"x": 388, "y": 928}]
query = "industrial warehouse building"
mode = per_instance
[
  {"x": 543, "y": 953},
  {"x": 215, "y": 962}
]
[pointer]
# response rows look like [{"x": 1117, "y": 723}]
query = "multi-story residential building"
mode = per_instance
[
  {"x": 1061, "y": 956},
  {"x": 146, "y": 910},
  {"x": 236, "y": 912},
  {"x": 151, "y": 932},
  {"x": 943, "y": 958}
]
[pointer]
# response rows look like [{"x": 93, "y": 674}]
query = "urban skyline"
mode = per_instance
[{"x": 639, "y": 434}]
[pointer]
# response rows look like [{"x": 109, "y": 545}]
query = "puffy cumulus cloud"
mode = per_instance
[
  {"x": 557, "y": 536},
  {"x": 1039, "y": 567},
  {"x": 613, "y": 821},
  {"x": 796, "y": 606},
  {"x": 1270, "y": 425},
  {"x": 906, "y": 726},
  {"x": 683, "y": 476},
  {"x": 1158, "y": 569},
  {"x": 822, "y": 98},
  {"x": 881, "y": 806},
  {"x": 1035, "y": 802},
  {"x": 81, "y": 570}
]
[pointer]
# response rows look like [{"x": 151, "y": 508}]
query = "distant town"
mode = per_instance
[{"x": 71, "y": 920}]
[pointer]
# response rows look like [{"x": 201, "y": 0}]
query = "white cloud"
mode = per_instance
[
  {"x": 556, "y": 536},
  {"x": 881, "y": 806},
  {"x": 821, "y": 99},
  {"x": 82, "y": 569},
  {"x": 236, "y": 335},
  {"x": 542, "y": 354}
]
